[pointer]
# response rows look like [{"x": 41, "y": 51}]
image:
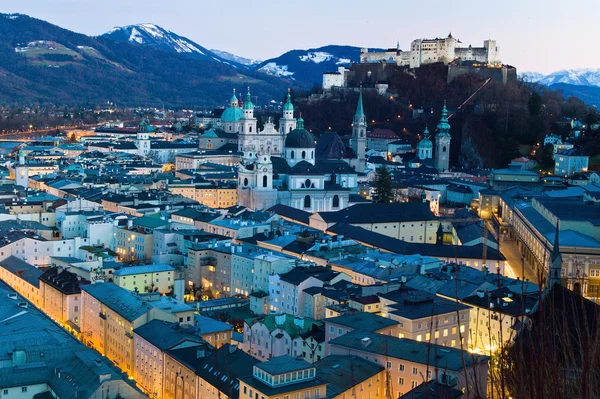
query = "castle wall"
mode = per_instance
[{"x": 501, "y": 74}]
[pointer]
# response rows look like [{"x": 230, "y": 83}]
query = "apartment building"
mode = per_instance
[
  {"x": 410, "y": 363},
  {"x": 23, "y": 278},
  {"x": 146, "y": 278}
]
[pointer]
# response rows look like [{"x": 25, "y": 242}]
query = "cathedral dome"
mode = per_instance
[
  {"x": 300, "y": 137},
  {"x": 232, "y": 114}
]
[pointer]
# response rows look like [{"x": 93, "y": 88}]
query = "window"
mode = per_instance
[
  {"x": 401, "y": 381},
  {"x": 419, "y": 338},
  {"x": 23, "y": 389},
  {"x": 335, "y": 203},
  {"x": 415, "y": 371},
  {"x": 245, "y": 181},
  {"x": 416, "y": 383},
  {"x": 265, "y": 180},
  {"x": 307, "y": 201},
  {"x": 331, "y": 330},
  {"x": 389, "y": 365},
  {"x": 401, "y": 368},
  {"x": 292, "y": 154},
  {"x": 303, "y": 154},
  {"x": 445, "y": 332},
  {"x": 307, "y": 183},
  {"x": 6, "y": 392}
]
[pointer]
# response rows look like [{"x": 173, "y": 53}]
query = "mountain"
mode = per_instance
[
  {"x": 587, "y": 94},
  {"x": 307, "y": 66},
  {"x": 577, "y": 77},
  {"x": 154, "y": 36},
  {"x": 235, "y": 58},
  {"x": 41, "y": 62}
]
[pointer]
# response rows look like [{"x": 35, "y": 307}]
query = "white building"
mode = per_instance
[
  {"x": 570, "y": 162},
  {"x": 335, "y": 79}
]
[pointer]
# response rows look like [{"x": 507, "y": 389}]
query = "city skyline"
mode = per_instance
[{"x": 527, "y": 34}]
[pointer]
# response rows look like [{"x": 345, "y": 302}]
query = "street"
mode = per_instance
[{"x": 516, "y": 266}]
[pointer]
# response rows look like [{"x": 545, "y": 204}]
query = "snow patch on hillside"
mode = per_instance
[
  {"x": 317, "y": 57},
  {"x": 273, "y": 69},
  {"x": 136, "y": 36}
]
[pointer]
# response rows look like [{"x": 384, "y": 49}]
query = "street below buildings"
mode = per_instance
[{"x": 517, "y": 266}]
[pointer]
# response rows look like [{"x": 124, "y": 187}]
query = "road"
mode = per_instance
[{"x": 516, "y": 266}]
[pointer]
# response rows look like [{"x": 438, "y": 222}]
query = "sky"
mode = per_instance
[{"x": 533, "y": 35}]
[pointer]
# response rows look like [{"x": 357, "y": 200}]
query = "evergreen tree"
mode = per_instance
[{"x": 383, "y": 186}]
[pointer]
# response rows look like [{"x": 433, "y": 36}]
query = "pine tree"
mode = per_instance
[{"x": 382, "y": 185}]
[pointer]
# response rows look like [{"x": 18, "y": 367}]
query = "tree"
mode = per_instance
[
  {"x": 534, "y": 105},
  {"x": 547, "y": 157},
  {"x": 383, "y": 186}
]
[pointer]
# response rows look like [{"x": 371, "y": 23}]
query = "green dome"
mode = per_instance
[
  {"x": 232, "y": 114},
  {"x": 300, "y": 137},
  {"x": 288, "y": 106},
  {"x": 248, "y": 103},
  {"x": 425, "y": 143}
]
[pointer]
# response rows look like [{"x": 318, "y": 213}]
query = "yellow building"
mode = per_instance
[
  {"x": 134, "y": 243},
  {"x": 146, "y": 278},
  {"x": 207, "y": 193},
  {"x": 23, "y": 278},
  {"x": 61, "y": 297},
  {"x": 111, "y": 313}
]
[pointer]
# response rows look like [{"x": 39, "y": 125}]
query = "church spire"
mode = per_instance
[
  {"x": 288, "y": 106},
  {"x": 248, "y": 103},
  {"x": 359, "y": 107},
  {"x": 444, "y": 127},
  {"x": 555, "y": 272}
]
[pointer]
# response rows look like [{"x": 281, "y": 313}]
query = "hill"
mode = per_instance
[
  {"x": 587, "y": 94},
  {"x": 41, "y": 62},
  {"x": 307, "y": 66}
]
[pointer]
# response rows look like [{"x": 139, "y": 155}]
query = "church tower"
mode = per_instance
[
  {"x": 555, "y": 272},
  {"x": 442, "y": 142},
  {"x": 142, "y": 141},
  {"x": 287, "y": 123},
  {"x": 248, "y": 131},
  {"x": 22, "y": 171},
  {"x": 359, "y": 135}
]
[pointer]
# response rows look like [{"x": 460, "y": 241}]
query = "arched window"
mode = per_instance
[
  {"x": 250, "y": 129},
  {"x": 230, "y": 128},
  {"x": 265, "y": 180},
  {"x": 245, "y": 181},
  {"x": 444, "y": 149},
  {"x": 303, "y": 154},
  {"x": 336, "y": 201},
  {"x": 292, "y": 154},
  {"x": 290, "y": 129},
  {"x": 307, "y": 201},
  {"x": 307, "y": 183}
]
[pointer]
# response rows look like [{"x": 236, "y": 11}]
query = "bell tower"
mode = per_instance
[
  {"x": 359, "y": 134},
  {"x": 442, "y": 142},
  {"x": 287, "y": 123}
]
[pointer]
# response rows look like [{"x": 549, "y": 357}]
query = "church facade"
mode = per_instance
[{"x": 280, "y": 166}]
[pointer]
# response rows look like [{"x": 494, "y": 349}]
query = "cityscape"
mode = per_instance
[{"x": 407, "y": 221}]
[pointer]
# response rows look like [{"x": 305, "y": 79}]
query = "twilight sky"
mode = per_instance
[{"x": 533, "y": 35}]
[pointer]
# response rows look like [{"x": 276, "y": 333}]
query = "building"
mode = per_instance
[
  {"x": 215, "y": 332},
  {"x": 410, "y": 363},
  {"x": 111, "y": 313},
  {"x": 569, "y": 162},
  {"x": 442, "y": 143},
  {"x": 289, "y": 173},
  {"x": 335, "y": 79},
  {"x": 276, "y": 335},
  {"x": 514, "y": 175},
  {"x": 426, "y": 317},
  {"x": 428, "y": 51},
  {"x": 208, "y": 193},
  {"x": 151, "y": 342},
  {"x": 146, "y": 278},
  {"x": 60, "y": 292},
  {"x": 191, "y": 374},
  {"x": 341, "y": 325},
  {"x": 283, "y": 376},
  {"x": 39, "y": 359},
  {"x": 23, "y": 278}
]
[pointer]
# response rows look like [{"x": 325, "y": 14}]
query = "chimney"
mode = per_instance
[{"x": 365, "y": 342}]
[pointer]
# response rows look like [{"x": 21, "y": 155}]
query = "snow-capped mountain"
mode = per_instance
[
  {"x": 235, "y": 58},
  {"x": 577, "y": 77},
  {"x": 153, "y": 35},
  {"x": 307, "y": 66}
]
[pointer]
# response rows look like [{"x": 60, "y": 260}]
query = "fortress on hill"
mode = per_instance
[{"x": 428, "y": 51}]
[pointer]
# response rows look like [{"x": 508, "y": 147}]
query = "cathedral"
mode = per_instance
[{"x": 280, "y": 167}]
